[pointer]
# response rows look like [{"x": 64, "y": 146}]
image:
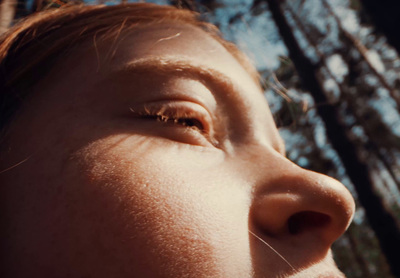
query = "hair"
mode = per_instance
[{"x": 30, "y": 49}]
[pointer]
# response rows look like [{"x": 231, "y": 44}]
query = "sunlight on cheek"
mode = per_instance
[{"x": 180, "y": 207}]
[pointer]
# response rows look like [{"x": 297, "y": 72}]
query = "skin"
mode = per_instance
[{"x": 112, "y": 186}]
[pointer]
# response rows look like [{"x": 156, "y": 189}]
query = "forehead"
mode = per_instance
[
  {"x": 169, "y": 39},
  {"x": 176, "y": 40}
]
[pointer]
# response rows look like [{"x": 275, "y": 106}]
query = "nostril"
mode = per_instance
[{"x": 307, "y": 220}]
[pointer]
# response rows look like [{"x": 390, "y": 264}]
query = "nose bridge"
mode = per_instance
[{"x": 289, "y": 200}]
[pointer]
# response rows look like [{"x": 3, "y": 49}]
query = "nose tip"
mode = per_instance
[{"x": 297, "y": 202}]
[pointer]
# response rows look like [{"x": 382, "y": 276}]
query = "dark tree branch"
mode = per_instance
[
  {"x": 385, "y": 15},
  {"x": 369, "y": 131},
  {"x": 364, "y": 53},
  {"x": 359, "y": 258},
  {"x": 21, "y": 10},
  {"x": 383, "y": 223},
  {"x": 184, "y": 4}
]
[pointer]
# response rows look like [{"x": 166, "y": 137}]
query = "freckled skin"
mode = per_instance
[{"x": 111, "y": 192}]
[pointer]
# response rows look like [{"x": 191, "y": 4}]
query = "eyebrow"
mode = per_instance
[
  {"x": 179, "y": 66},
  {"x": 189, "y": 68}
]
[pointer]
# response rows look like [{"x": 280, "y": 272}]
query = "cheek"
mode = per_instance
[{"x": 182, "y": 211}]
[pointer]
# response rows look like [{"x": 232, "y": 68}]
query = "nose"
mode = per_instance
[{"x": 307, "y": 208}]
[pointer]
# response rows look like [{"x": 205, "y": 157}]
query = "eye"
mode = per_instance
[
  {"x": 190, "y": 122},
  {"x": 189, "y": 116},
  {"x": 175, "y": 119}
]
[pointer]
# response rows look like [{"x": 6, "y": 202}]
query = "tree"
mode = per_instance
[
  {"x": 381, "y": 220},
  {"x": 7, "y": 12},
  {"x": 385, "y": 15}
]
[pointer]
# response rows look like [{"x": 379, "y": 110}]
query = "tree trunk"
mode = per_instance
[
  {"x": 364, "y": 53},
  {"x": 7, "y": 12},
  {"x": 385, "y": 15},
  {"x": 383, "y": 223},
  {"x": 373, "y": 143},
  {"x": 359, "y": 258}
]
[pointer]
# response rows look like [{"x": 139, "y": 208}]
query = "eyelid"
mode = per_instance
[{"x": 180, "y": 109}]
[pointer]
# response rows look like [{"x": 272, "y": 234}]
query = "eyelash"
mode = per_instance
[
  {"x": 176, "y": 117},
  {"x": 181, "y": 113}
]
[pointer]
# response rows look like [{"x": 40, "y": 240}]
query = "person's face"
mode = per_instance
[{"x": 160, "y": 158}]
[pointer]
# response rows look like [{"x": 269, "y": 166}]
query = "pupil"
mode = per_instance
[{"x": 191, "y": 122}]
